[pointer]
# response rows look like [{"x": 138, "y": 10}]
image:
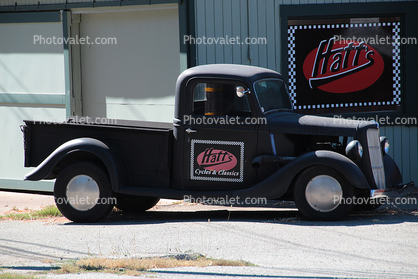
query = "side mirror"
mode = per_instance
[{"x": 240, "y": 91}]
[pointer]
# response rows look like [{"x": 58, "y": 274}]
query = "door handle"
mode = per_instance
[{"x": 190, "y": 131}]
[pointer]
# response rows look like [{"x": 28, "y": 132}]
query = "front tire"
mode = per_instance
[
  {"x": 321, "y": 193},
  {"x": 83, "y": 193}
]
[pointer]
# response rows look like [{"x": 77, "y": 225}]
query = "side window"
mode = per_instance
[{"x": 219, "y": 99}]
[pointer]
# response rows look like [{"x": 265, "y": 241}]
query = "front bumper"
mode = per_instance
[{"x": 395, "y": 192}]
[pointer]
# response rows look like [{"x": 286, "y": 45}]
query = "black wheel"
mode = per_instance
[
  {"x": 135, "y": 204},
  {"x": 83, "y": 193},
  {"x": 322, "y": 193}
]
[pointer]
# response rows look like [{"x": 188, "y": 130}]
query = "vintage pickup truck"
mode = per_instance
[{"x": 234, "y": 136}]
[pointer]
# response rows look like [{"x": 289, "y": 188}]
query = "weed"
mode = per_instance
[
  {"x": 134, "y": 266},
  {"x": 47, "y": 212},
  {"x": 16, "y": 276}
]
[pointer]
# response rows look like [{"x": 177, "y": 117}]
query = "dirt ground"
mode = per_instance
[
  {"x": 10, "y": 200},
  {"x": 22, "y": 201}
]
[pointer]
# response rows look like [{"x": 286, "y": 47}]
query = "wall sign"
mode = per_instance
[
  {"x": 344, "y": 65},
  {"x": 217, "y": 160}
]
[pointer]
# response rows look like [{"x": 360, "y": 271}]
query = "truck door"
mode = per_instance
[{"x": 220, "y": 136}]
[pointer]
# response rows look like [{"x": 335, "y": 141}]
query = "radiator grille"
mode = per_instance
[{"x": 376, "y": 159}]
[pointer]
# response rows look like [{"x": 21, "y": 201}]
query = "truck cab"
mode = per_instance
[{"x": 234, "y": 134}]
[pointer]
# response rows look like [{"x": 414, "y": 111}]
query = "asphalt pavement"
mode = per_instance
[{"x": 379, "y": 244}]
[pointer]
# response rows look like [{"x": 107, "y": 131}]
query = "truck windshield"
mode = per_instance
[{"x": 272, "y": 95}]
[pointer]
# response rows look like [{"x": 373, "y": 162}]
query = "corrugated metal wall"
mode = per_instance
[
  {"x": 229, "y": 19},
  {"x": 404, "y": 149},
  {"x": 260, "y": 18}
]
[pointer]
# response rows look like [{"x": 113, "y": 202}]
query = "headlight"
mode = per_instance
[
  {"x": 354, "y": 150},
  {"x": 384, "y": 143}
]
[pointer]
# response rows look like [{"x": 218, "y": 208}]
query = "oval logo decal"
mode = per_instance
[
  {"x": 216, "y": 159},
  {"x": 342, "y": 67}
]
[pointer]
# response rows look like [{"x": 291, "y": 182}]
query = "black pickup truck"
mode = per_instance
[{"x": 234, "y": 138}]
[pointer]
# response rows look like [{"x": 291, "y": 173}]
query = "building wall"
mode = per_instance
[
  {"x": 32, "y": 87},
  {"x": 134, "y": 79},
  {"x": 260, "y": 18}
]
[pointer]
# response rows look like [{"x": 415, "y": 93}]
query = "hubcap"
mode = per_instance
[
  {"x": 323, "y": 193},
  {"x": 82, "y": 192}
]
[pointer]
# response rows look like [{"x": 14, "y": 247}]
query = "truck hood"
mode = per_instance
[{"x": 293, "y": 123}]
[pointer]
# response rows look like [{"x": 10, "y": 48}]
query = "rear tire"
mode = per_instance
[
  {"x": 319, "y": 191},
  {"x": 83, "y": 193},
  {"x": 135, "y": 204}
]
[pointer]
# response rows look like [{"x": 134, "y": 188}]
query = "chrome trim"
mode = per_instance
[
  {"x": 384, "y": 143},
  {"x": 376, "y": 158},
  {"x": 190, "y": 131},
  {"x": 397, "y": 192},
  {"x": 273, "y": 144}
]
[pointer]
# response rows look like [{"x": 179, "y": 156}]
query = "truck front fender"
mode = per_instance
[
  {"x": 99, "y": 150},
  {"x": 392, "y": 173},
  {"x": 279, "y": 182}
]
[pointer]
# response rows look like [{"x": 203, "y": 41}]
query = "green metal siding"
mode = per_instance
[
  {"x": 403, "y": 149},
  {"x": 29, "y": 17},
  {"x": 230, "y": 19}
]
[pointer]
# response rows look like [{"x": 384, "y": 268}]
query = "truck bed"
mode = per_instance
[{"x": 144, "y": 146}]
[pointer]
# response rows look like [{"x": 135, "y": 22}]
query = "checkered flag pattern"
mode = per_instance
[
  {"x": 292, "y": 63},
  {"x": 396, "y": 30}
]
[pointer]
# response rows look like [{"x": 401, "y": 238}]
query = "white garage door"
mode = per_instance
[{"x": 133, "y": 77}]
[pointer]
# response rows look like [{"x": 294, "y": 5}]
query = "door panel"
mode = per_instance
[{"x": 219, "y": 145}]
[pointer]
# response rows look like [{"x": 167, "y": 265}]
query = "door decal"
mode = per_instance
[{"x": 217, "y": 160}]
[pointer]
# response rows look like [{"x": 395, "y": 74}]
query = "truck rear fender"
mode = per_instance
[
  {"x": 82, "y": 148},
  {"x": 279, "y": 182}
]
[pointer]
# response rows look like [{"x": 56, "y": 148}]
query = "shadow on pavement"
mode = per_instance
[{"x": 386, "y": 214}]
